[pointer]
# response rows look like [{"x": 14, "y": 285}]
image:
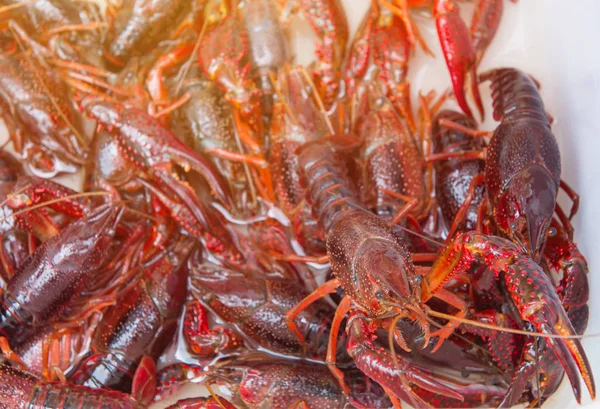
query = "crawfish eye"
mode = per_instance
[
  {"x": 552, "y": 232},
  {"x": 379, "y": 295}
]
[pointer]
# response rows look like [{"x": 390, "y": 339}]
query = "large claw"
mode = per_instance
[
  {"x": 534, "y": 295},
  {"x": 377, "y": 363},
  {"x": 459, "y": 53}
]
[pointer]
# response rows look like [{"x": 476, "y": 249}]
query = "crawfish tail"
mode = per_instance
[
  {"x": 15, "y": 321},
  {"x": 515, "y": 95},
  {"x": 328, "y": 190},
  {"x": 22, "y": 390}
]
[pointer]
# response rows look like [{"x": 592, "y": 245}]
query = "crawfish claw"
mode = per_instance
[
  {"x": 396, "y": 376},
  {"x": 459, "y": 53},
  {"x": 543, "y": 309}
]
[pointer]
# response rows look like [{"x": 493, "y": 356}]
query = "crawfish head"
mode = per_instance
[
  {"x": 386, "y": 276},
  {"x": 524, "y": 210}
]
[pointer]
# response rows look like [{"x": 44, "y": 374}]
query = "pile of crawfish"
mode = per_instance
[{"x": 289, "y": 237}]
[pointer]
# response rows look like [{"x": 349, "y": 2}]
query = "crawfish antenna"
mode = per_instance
[{"x": 187, "y": 65}]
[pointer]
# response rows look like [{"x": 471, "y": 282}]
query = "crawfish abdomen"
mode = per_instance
[{"x": 524, "y": 137}]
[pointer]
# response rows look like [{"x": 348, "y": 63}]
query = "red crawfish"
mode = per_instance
[
  {"x": 381, "y": 48},
  {"x": 529, "y": 288},
  {"x": 55, "y": 350},
  {"x": 539, "y": 370},
  {"x": 258, "y": 382},
  {"x": 141, "y": 323},
  {"x": 203, "y": 341},
  {"x": 392, "y": 163},
  {"x": 41, "y": 119},
  {"x": 22, "y": 390},
  {"x": 522, "y": 162},
  {"x": 374, "y": 268},
  {"x": 328, "y": 20},
  {"x": 298, "y": 119},
  {"x": 146, "y": 143},
  {"x": 138, "y": 27},
  {"x": 202, "y": 403},
  {"x": 257, "y": 308}
]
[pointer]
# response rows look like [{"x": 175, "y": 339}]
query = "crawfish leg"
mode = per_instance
[
  {"x": 155, "y": 80},
  {"x": 340, "y": 314},
  {"x": 477, "y": 181},
  {"x": 410, "y": 204},
  {"x": 9, "y": 354},
  {"x": 455, "y": 301},
  {"x": 253, "y": 160},
  {"x": 329, "y": 287},
  {"x": 573, "y": 195}
]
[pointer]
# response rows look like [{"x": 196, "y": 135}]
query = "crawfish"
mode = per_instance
[
  {"x": 203, "y": 341},
  {"x": 138, "y": 27},
  {"x": 391, "y": 160},
  {"x": 260, "y": 308},
  {"x": 22, "y": 390},
  {"x": 268, "y": 46},
  {"x": 454, "y": 176},
  {"x": 36, "y": 105},
  {"x": 328, "y": 20},
  {"x": 297, "y": 120},
  {"x": 522, "y": 167},
  {"x": 373, "y": 266},
  {"x": 527, "y": 286},
  {"x": 202, "y": 403},
  {"x": 206, "y": 123},
  {"x": 141, "y": 323},
  {"x": 146, "y": 143},
  {"x": 564, "y": 261},
  {"x": 259, "y": 383},
  {"x": 56, "y": 272},
  {"x": 381, "y": 48},
  {"x": 15, "y": 245}
]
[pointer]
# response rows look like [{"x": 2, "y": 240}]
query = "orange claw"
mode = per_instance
[{"x": 459, "y": 52}]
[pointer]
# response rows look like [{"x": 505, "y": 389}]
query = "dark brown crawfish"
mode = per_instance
[
  {"x": 522, "y": 168},
  {"x": 58, "y": 270},
  {"x": 141, "y": 323},
  {"x": 138, "y": 27},
  {"x": 15, "y": 244},
  {"x": 454, "y": 176},
  {"x": 259, "y": 309},
  {"x": 373, "y": 266},
  {"x": 22, "y": 390}
]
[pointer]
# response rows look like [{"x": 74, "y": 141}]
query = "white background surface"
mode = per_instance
[{"x": 557, "y": 42}]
